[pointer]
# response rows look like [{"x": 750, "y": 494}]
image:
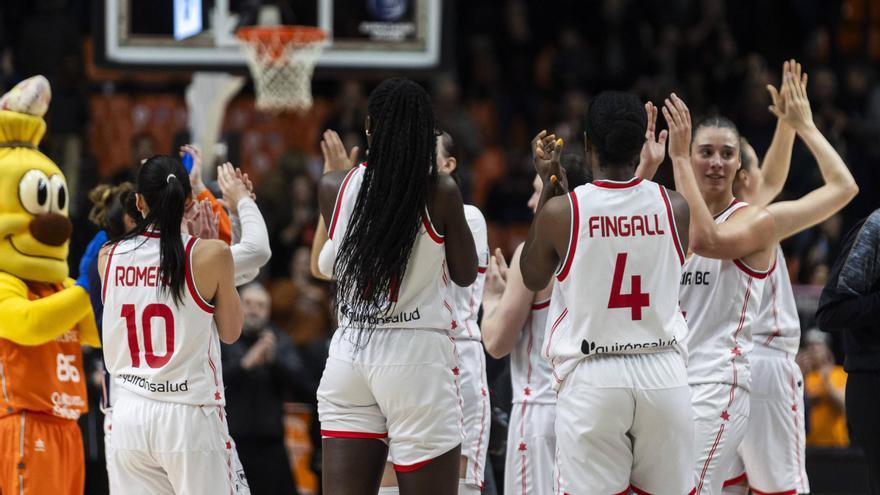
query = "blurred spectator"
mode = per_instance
[
  {"x": 825, "y": 388},
  {"x": 301, "y": 308},
  {"x": 261, "y": 371},
  {"x": 850, "y": 303}
]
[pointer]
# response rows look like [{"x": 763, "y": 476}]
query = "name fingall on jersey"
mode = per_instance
[
  {"x": 695, "y": 278},
  {"x": 588, "y": 347},
  {"x": 137, "y": 276},
  {"x": 164, "y": 387},
  {"x": 381, "y": 320},
  {"x": 624, "y": 226}
]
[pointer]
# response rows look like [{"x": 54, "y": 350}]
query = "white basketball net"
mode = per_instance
[{"x": 282, "y": 82}]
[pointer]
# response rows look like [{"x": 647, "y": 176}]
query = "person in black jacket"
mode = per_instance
[
  {"x": 850, "y": 303},
  {"x": 261, "y": 371}
]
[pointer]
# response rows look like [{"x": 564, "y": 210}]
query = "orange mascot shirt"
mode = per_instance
[{"x": 53, "y": 381}]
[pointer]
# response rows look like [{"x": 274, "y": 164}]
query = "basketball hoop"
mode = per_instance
[{"x": 282, "y": 60}]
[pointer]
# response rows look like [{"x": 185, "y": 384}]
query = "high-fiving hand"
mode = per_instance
[
  {"x": 678, "y": 118},
  {"x": 335, "y": 156}
]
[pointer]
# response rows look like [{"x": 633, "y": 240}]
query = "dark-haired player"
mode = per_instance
[
  {"x": 616, "y": 247},
  {"x": 169, "y": 299},
  {"x": 398, "y": 228},
  {"x": 735, "y": 247}
]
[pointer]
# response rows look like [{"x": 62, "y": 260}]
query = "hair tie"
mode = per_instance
[{"x": 168, "y": 179}]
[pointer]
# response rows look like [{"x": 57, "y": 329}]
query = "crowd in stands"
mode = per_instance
[{"x": 514, "y": 67}]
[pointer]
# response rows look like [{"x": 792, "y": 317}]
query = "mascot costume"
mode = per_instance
[{"x": 44, "y": 315}]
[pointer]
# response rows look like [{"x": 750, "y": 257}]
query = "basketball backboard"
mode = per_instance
[{"x": 363, "y": 34}]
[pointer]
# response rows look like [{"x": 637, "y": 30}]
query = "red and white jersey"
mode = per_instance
[
  {"x": 720, "y": 300},
  {"x": 618, "y": 284},
  {"x": 152, "y": 346},
  {"x": 778, "y": 325},
  {"x": 421, "y": 299},
  {"x": 529, "y": 371},
  {"x": 466, "y": 300}
]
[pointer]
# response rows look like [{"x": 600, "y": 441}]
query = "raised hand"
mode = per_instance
[
  {"x": 496, "y": 277},
  {"x": 546, "y": 155},
  {"x": 678, "y": 118},
  {"x": 232, "y": 185},
  {"x": 796, "y": 112},
  {"x": 204, "y": 224},
  {"x": 335, "y": 156},
  {"x": 654, "y": 149},
  {"x": 780, "y": 97},
  {"x": 195, "y": 175}
]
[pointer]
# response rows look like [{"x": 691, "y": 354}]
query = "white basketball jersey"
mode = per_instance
[
  {"x": 466, "y": 300},
  {"x": 421, "y": 299},
  {"x": 720, "y": 300},
  {"x": 618, "y": 284},
  {"x": 152, "y": 346},
  {"x": 778, "y": 325},
  {"x": 529, "y": 372}
]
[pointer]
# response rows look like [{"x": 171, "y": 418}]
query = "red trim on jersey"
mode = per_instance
[
  {"x": 693, "y": 491},
  {"x": 402, "y": 468},
  {"x": 338, "y": 204},
  {"x": 624, "y": 492},
  {"x": 735, "y": 481},
  {"x": 699, "y": 487},
  {"x": 107, "y": 273},
  {"x": 572, "y": 242},
  {"x": 151, "y": 234},
  {"x": 787, "y": 492},
  {"x": 795, "y": 397},
  {"x": 190, "y": 284},
  {"x": 732, "y": 203},
  {"x": 540, "y": 305},
  {"x": 775, "y": 311},
  {"x": 672, "y": 225},
  {"x": 426, "y": 221},
  {"x": 751, "y": 271},
  {"x": 638, "y": 490},
  {"x": 482, "y": 269},
  {"x": 608, "y": 184},
  {"x": 352, "y": 434}
]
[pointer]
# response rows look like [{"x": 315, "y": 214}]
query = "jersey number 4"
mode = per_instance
[
  {"x": 151, "y": 312},
  {"x": 635, "y": 300}
]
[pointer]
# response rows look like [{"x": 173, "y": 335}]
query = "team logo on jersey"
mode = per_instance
[
  {"x": 162, "y": 387},
  {"x": 402, "y": 317},
  {"x": 588, "y": 347},
  {"x": 39, "y": 445}
]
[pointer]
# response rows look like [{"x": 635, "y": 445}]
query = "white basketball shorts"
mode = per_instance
[
  {"x": 721, "y": 413},
  {"x": 774, "y": 447},
  {"x": 166, "y": 448},
  {"x": 624, "y": 422},
  {"x": 476, "y": 408},
  {"x": 530, "y": 468},
  {"x": 401, "y": 387}
]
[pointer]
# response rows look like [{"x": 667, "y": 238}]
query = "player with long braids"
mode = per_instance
[{"x": 390, "y": 385}]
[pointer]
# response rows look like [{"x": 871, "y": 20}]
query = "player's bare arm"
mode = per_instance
[
  {"x": 214, "y": 275},
  {"x": 682, "y": 214},
  {"x": 839, "y": 188},
  {"x": 547, "y": 243},
  {"x": 505, "y": 314},
  {"x": 448, "y": 213}
]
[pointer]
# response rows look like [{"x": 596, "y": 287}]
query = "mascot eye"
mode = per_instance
[
  {"x": 59, "y": 194},
  {"x": 33, "y": 191}
]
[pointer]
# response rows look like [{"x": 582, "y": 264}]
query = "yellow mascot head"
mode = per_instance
[{"x": 34, "y": 228}]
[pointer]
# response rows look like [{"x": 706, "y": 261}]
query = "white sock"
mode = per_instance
[
  {"x": 466, "y": 489},
  {"x": 389, "y": 490}
]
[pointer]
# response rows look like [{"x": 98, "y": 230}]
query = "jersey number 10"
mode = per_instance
[{"x": 150, "y": 312}]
